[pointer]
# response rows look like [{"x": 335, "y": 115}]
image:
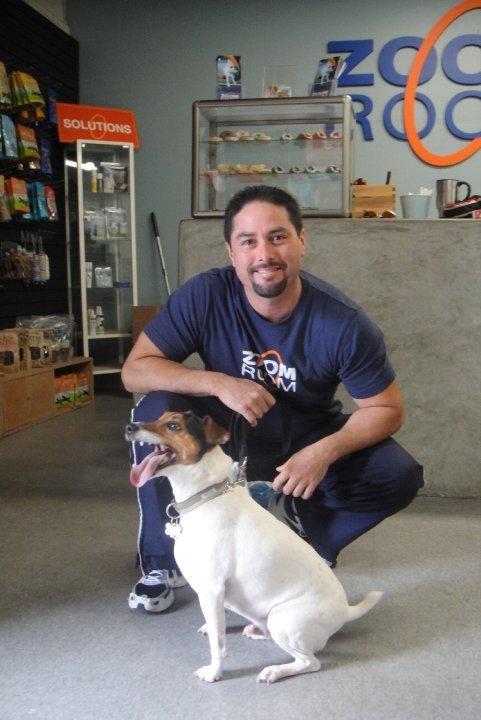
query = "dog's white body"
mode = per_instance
[
  {"x": 228, "y": 70},
  {"x": 236, "y": 555}
]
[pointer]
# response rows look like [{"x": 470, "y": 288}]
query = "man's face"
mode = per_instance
[{"x": 265, "y": 249}]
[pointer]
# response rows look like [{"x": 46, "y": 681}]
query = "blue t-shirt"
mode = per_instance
[{"x": 327, "y": 340}]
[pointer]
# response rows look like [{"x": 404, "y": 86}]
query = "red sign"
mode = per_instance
[{"x": 87, "y": 122}]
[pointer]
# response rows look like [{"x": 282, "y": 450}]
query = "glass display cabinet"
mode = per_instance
[
  {"x": 99, "y": 181},
  {"x": 302, "y": 145}
]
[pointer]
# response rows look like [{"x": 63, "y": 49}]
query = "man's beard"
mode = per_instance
[
  {"x": 271, "y": 291},
  {"x": 268, "y": 291}
]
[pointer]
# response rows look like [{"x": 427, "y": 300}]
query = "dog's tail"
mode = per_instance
[{"x": 357, "y": 611}]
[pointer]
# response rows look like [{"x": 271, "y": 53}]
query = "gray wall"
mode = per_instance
[
  {"x": 157, "y": 57},
  {"x": 419, "y": 280}
]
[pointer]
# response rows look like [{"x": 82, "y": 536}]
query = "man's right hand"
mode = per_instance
[{"x": 248, "y": 398}]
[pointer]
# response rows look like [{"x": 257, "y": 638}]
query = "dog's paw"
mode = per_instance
[
  {"x": 254, "y": 633},
  {"x": 209, "y": 673},
  {"x": 269, "y": 674},
  {"x": 203, "y": 629}
]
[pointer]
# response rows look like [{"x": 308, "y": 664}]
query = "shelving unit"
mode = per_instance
[
  {"x": 101, "y": 247},
  {"x": 31, "y": 43}
]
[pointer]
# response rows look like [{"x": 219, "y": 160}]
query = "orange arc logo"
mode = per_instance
[
  {"x": 409, "y": 97},
  {"x": 267, "y": 354}
]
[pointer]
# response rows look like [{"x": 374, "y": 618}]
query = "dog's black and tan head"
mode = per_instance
[{"x": 179, "y": 437}]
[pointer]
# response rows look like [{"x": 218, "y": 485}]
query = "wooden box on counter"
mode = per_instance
[{"x": 372, "y": 197}]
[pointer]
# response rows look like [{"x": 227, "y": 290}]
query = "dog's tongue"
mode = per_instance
[{"x": 141, "y": 473}]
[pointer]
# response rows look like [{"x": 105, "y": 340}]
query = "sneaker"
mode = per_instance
[{"x": 153, "y": 592}]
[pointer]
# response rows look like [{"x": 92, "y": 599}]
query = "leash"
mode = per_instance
[{"x": 239, "y": 427}]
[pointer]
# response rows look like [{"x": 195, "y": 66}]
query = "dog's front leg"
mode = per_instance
[{"x": 212, "y": 604}]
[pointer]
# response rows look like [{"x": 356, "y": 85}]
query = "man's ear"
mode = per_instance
[{"x": 214, "y": 434}]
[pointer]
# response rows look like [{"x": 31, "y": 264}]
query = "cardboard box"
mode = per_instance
[
  {"x": 141, "y": 316},
  {"x": 372, "y": 197}
]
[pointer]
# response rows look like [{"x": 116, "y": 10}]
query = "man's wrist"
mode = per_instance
[{"x": 329, "y": 448}]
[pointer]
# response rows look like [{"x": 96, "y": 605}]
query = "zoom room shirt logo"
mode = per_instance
[{"x": 254, "y": 365}]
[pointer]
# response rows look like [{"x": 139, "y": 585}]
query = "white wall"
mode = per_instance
[{"x": 157, "y": 57}]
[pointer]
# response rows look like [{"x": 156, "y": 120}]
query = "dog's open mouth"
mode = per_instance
[{"x": 150, "y": 466}]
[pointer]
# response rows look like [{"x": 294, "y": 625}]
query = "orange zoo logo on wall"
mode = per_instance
[{"x": 410, "y": 95}]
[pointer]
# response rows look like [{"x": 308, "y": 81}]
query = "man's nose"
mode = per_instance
[{"x": 264, "y": 250}]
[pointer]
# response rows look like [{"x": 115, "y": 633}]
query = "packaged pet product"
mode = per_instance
[
  {"x": 58, "y": 334},
  {"x": 45, "y": 162},
  {"x": 8, "y": 144},
  {"x": 5, "y": 214},
  {"x": 25, "y": 89},
  {"x": 5, "y": 95},
  {"x": 17, "y": 194},
  {"x": 51, "y": 204},
  {"x": 52, "y": 106},
  {"x": 36, "y": 346},
  {"x": 23, "y": 347},
  {"x": 64, "y": 388},
  {"x": 41, "y": 212},
  {"x": 9, "y": 352},
  {"x": 27, "y": 146},
  {"x": 82, "y": 390},
  {"x": 113, "y": 216}
]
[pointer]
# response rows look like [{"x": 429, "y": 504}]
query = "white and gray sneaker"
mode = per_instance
[{"x": 153, "y": 592}]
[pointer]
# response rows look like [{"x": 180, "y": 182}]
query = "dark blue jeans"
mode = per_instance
[{"x": 357, "y": 493}]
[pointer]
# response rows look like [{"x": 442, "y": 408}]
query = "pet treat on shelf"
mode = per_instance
[
  {"x": 5, "y": 95},
  {"x": 8, "y": 138}
]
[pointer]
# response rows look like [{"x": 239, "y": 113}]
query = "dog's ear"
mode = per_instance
[{"x": 214, "y": 434}]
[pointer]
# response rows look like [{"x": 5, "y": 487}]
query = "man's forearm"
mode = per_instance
[
  {"x": 153, "y": 373},
  {"x": 366, "y": 426}
]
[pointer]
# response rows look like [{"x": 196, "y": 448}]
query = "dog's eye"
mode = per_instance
[{"x": 174, "y": 426}]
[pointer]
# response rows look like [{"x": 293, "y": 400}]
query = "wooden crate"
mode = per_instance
[
  {"x": 372, "y": 197},
  {"x": 28, "y": 397}
]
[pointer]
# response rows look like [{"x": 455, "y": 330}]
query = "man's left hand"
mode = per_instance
[{"x": 301, "y": 474}]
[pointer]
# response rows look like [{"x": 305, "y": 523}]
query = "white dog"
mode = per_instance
[
  {"x": 235, "y": 554},
  {"x": 228, "y": 69}
]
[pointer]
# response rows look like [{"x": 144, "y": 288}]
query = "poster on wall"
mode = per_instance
[
  {"x": 229, "y": 86},
  {"x": 328, "y": 71}
]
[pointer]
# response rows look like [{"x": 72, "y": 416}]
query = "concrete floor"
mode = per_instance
[{"x": 70, "y": 649}]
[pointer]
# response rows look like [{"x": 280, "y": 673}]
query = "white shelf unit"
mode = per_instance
[{"x": 101, "y": 247}]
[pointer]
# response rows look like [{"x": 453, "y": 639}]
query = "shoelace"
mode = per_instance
[{"x": 156, "y": 577}]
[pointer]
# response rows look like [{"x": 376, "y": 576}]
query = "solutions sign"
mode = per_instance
[
  {"x": 422, "y": 70},
  {"x": 87, "y": 122}
]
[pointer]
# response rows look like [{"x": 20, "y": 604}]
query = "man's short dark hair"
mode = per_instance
[{"x": 263, "y": 193}]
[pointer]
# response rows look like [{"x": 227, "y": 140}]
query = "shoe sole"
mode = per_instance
[{"x": 143, "y": 603}]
